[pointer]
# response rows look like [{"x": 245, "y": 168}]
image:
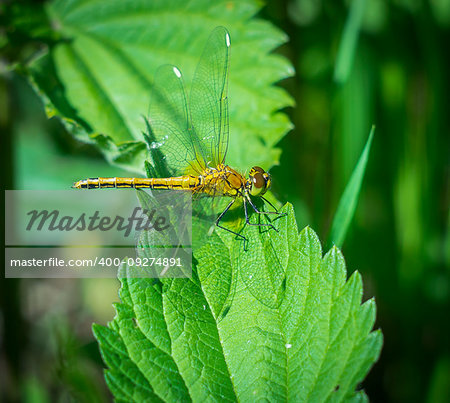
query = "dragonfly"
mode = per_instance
[{"x": 192, "y": 136}]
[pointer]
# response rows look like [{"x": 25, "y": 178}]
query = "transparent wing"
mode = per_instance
[
  {"x": 208, "y": 99},
  {"x": 170, "y": 131}
]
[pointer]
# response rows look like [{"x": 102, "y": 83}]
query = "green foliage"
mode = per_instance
[
  {"x": 296, "y": 332},
  {"x": 97, "y": 79},
  {"x": 397, "y": 78},
  {"x": 277, "y": 321},
  {"x": 349, "y": 41},
  {"x": 347, "y": 204}
]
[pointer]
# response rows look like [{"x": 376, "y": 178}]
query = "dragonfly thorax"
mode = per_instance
[
  {"x": 226, "y": 181},
  {"x": 222, "y": 181}
]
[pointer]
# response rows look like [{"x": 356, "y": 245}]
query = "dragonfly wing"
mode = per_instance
[
  {"x": 169, "y": 126},
  {"x": 263, "y": 267},
  {"x": 208, "y": 99}
]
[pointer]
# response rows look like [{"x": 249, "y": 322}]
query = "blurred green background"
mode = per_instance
[{"x": 397, "y": 78}]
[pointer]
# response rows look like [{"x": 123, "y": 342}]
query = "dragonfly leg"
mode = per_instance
[
  {"x": 270, "y": 212},
  {"x": 247, "y": 220},
  {"x": 264, "y": 212},
  {"x": 227, "y": 229}
]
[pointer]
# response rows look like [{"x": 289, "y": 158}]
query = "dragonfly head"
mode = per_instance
[{"x": 259, "y": 181}]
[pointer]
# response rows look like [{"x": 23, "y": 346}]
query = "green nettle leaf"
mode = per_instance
[
  {"x": 278, "y": 322},
  {"x": 98, "y": 77}
]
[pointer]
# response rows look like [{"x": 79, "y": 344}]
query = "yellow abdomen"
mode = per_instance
[{"x": 187, "y": 182}]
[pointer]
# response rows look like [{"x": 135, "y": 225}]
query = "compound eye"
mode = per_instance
[{"x": 258, "y": 180}]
